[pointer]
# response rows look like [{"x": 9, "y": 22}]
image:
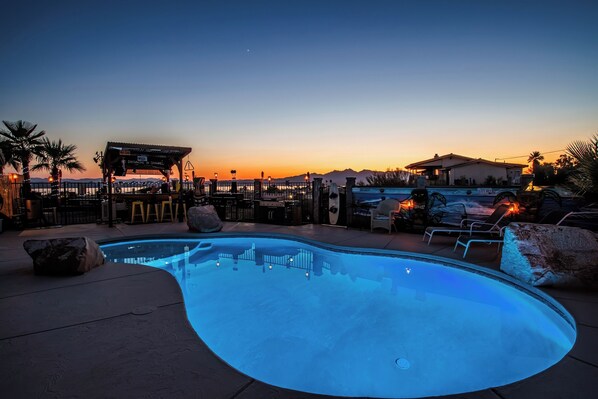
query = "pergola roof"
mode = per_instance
[{"x": 143, "y": 158}]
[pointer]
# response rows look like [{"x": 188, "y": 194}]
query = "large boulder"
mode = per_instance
[
  {"x": 541, "y": 254},
  {"x": 61, "y": 256},
  {"x": 203, "y": 219}
]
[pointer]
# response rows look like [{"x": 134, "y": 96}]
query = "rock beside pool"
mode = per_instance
[
  {"x": 63, "y": 256},
  {"x": 541, "y": 254},
  {"x": 203, "y": 219}
]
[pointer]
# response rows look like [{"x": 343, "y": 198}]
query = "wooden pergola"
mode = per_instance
[{"x": 119, "y": 158}]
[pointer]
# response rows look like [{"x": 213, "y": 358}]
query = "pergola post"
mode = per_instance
[
  {"x": 179, "y": 165},
  {"x": 110, "y": 221}
]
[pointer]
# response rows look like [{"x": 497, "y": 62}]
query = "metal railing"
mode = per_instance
[
  {"x": 61, "y": 204},
  {"x": 82, "y": 202},
  {"x": 240, "y": 201}
]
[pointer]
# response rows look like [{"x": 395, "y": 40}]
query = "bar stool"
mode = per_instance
[
  {"x": 176, "y": 211},
  {"x": 169, "y": 205},
  {"x": 156, "y": 212},
  {"x": 134, "y": 206}
]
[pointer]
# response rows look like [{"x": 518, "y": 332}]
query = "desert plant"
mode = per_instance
[
  {"x": 563, "y": 167},
  {"x": 390, "y": 178}
]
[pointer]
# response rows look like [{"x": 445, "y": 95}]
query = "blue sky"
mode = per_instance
[{"x": 292, "y": 86}]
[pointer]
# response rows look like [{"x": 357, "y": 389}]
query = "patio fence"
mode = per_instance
[
  {"x": 262, "y": 201},
  {"x": 69, "y": 203}
]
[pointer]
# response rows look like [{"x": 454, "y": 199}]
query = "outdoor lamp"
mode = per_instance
[
  {"x": 233, "y": 174},
  {"x": 50, "y": 179},
  {"x": 98, "y": 157},
  {"x": 514, "y": 207},
  {"x": 216, "y": 175}
]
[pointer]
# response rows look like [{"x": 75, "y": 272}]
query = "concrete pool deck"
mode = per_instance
[{"x": 121, "y": 330}]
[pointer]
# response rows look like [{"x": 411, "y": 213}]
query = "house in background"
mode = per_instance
[
  {"x": 482, "y": 171},
  {"x": 435, "y": 169},
  {"x": 453, "y": 169}
]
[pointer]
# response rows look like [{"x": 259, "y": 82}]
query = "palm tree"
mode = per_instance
[
  {"x": 535, "y": 157},
  {"x": 7, "y": 156},
  {"x": 55, "y": 156},
  {"x": 25, "y": 143},
  {"x": 585, "y": 176}
]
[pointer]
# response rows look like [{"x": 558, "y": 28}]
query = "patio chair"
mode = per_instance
[
  {"x": 584, "y": 219},
  {"x": 465, "y": 240},
  {"x": 489, "y": 226},
  {"x": 554, "y": 217},
  {"x": 383, "y": 216}
]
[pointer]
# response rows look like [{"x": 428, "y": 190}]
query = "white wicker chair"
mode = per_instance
[{"x": 384, "y": 215}]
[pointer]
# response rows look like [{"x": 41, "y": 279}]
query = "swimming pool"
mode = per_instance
[{"x": 340, "y": 321}]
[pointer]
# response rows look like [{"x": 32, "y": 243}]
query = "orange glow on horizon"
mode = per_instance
[{"x": 303, "y": 158}]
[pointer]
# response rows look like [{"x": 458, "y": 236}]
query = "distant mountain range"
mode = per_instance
[{"x": 335, "y": 176}]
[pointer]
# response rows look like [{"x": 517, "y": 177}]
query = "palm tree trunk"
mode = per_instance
[
  {"x": 55, "y": 184},
  {"x": 26, "y": 179}
]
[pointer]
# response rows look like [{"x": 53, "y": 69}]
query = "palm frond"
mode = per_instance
[
  {"x": 579, "y": 149},
  {"x": 585, "y": 176},
  {"x": 55, "y": 155},
  {"x": 41, "y": 166}
]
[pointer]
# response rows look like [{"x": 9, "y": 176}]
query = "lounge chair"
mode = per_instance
[
  {"x": 465, "y": 240},
  {"x": 383, "y": 216},
  {"x": 554, "y": 217},
  {"x": 489, "y": 226},
  {"x": 584, "y": 219}
]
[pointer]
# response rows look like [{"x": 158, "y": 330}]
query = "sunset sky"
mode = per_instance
[{"x": 291, "y": 86}]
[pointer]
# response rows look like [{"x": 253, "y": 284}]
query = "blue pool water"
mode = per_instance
[{"x": 332, "y": 321}]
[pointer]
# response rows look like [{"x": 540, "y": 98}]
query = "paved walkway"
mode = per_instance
[{"x": 121, "y": 330}]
